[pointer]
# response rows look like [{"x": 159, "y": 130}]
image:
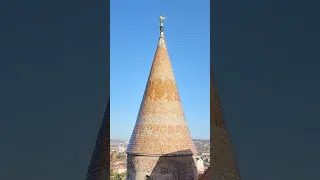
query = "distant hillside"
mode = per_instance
[
  {"x": 116, "y": 141},
  {"x": 201, "y": 140},
  {"x": 202, "y": 145}
]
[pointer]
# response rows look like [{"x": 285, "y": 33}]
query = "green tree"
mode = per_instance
[
  {"x": 118, "y": 176},
  {"x": 113, "y": 156},
  {"x": 121, "y": 156}
]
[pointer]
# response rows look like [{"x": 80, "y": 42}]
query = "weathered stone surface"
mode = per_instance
[
  {"x": 224, "y": 166},
  {"x": 161, "y": 126},
  {"x": 161, "y": 168},
  {"x": 161, "y": 147}
]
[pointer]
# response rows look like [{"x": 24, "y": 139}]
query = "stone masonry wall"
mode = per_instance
[{"x": 161, "y": 168}]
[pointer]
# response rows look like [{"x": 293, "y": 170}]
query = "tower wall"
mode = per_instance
[{"x": 161, "y": 168}]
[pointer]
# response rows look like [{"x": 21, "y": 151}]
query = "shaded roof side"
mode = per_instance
[
  {"x": 223, "y": 158},
  {"x": 99, "y": 165}
]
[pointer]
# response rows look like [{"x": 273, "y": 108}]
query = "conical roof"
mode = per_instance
[
  {"x": 99, "y": 165},
  {"x": 224, "y": 164},
  {"x": 161, "y": 127}
]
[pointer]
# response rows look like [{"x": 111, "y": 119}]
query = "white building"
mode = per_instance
[
  {"x": 200, "y": 165},
  {"x": 205, "y": 154},
  {"x": 121, "y": 148}
]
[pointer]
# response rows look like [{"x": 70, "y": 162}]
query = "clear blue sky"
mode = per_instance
[{"x": 134, "y": 32}]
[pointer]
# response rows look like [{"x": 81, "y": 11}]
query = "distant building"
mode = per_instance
[
  {"x": 200, "y": 165},
  {"x": 113, "y": 148},
  {"x": 205, "y": 154},
  {"x": 121, "y": 170},
  {"x": 121, "y": 148}
]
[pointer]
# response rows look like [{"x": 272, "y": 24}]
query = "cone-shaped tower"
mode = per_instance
[
  {"x": 99, "y": 168},
  {"x": 224, "y": 166},
  {"x": 161, "y": 146}
]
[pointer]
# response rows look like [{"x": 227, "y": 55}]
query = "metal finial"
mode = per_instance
[{"x": 162, "y": 18}]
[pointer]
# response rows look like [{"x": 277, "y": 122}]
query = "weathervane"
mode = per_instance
[{"x": 162, "y": 18}]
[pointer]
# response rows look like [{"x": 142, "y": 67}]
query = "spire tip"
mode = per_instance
[{"x": 162, "y": 18}]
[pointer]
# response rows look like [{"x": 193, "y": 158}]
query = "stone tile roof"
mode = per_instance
[
  {"x": 99, "y": 168},
  {"x": 161, "y": 126},
  {"x": 223, "y": 162}
]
